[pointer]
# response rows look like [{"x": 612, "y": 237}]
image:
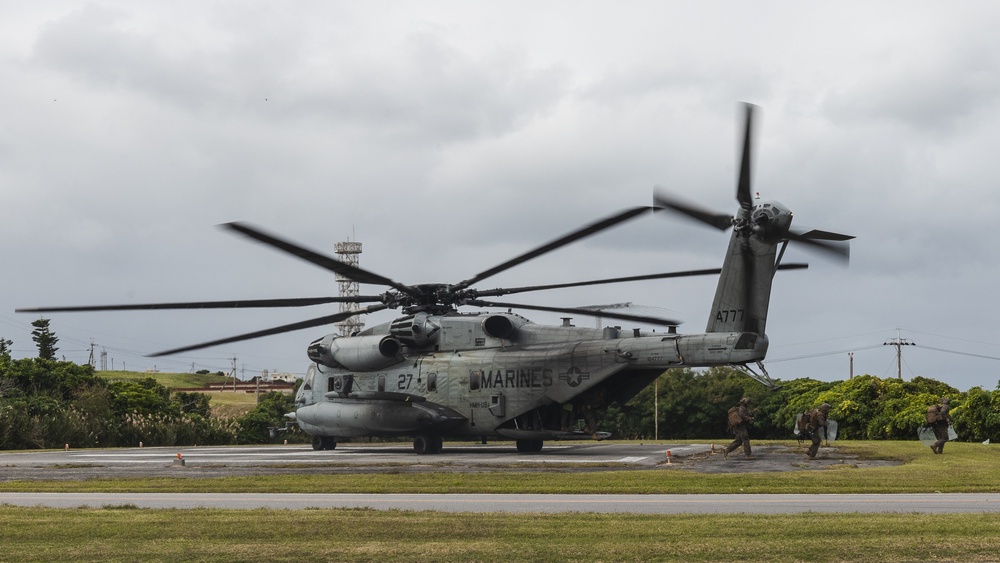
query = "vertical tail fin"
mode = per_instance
[{"x": 744, "y": 291}]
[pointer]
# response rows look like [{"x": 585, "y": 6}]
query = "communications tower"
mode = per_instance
[{"x": 348, "y": 253}]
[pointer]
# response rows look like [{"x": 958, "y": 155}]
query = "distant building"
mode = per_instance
[{"x": 286, "y": 377}]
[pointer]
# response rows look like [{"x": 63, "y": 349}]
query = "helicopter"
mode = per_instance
[{"x": 436, "y": 373}]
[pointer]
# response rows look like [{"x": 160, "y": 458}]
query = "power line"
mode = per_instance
[
  {"x": 961, "y": 353},
  {"x": 821, "y": 354}
]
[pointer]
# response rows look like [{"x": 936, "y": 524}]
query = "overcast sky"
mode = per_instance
[{"x": 448, "y": 137}]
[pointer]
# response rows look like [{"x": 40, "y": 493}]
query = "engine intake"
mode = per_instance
[
  {"x": 418, "y": 330},
  {"x": 359, "y": 353}
]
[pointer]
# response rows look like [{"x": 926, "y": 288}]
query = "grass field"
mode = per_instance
[
  {"x": 128, "y": 534},
  {"x": 125, "y": 533},
  {"x": 224, "y": 404}
]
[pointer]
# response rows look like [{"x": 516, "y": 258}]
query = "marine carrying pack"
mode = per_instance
[
  {"x": 933, "y": 414},
  {"x": 734, "y": 417},
  {"x": 803, "y": 422}
]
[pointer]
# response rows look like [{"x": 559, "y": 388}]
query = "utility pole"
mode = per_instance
[
  {"x": 656, "y": 409},
  {"x": 899, "y": 343},
  {"x": 234, "y": 372},
  {"x": 851, "y": 356},
  {"x": 92, "y": 362}
]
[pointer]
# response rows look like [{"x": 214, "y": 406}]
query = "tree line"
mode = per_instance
[
  {"x": 692, "y": 404},
  {"x": 46, "y": 403}
]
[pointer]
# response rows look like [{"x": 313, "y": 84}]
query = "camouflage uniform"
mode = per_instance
[
  {"x": 941, "y": 426},
  {"x": 740, "y": 430},
  {"x": 817, "y": 420}
]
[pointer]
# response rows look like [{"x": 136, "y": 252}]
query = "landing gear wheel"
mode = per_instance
[
  {"x": 529, "y": 446},
  {"x": 324, "y": 443},
  {"x": 436, "y": 445},
  {"x": 425, "y": 444}
]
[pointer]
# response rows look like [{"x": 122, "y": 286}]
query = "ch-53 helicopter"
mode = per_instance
[{"x": 437, "y": 373}]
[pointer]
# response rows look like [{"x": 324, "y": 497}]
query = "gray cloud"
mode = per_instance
[{"x": 451, "y": 137}]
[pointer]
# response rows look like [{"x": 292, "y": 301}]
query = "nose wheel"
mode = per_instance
[{"x": 324, "y": 443}]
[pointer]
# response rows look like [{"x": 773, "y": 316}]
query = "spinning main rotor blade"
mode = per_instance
[
  {"x": 576, "y": 311},
  {"x": 320, "y": 321},
  {"x": 560, "y": 242},
  {"x": 235, "y": 304},
  {"x": 352, "y": 272},
  {"x": 708, "y": 272},
  {"x": 665, "y": 200}
]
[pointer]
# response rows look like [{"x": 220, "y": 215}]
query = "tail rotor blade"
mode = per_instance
[
  {"x": 743, "y": 190},
  {"x": 838, "y": 250}
]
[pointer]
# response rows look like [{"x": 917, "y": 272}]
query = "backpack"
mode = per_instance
[
  {"x": 933, "y": 414},
  {"x": 734, "y": 417},
  {"x": 803, "y": 423}
]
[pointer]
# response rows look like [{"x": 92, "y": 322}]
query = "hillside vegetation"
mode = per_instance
[
  {"x": 45, "y": 403},
  {"x": 168, "y": 380}
]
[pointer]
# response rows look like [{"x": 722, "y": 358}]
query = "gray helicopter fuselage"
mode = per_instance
[{"x": 490, "y": 374}]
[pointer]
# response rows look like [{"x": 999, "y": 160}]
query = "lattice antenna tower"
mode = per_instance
[{"x": 348, "y": 253}]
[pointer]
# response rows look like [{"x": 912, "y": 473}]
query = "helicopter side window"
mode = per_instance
[
  {"x": 475, "y": 380},
  {"x": 432, "y": 382},
  {"x": 381, "y": 383}
]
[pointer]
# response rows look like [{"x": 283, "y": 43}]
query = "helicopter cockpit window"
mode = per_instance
[{"x": 432, "y": 382}]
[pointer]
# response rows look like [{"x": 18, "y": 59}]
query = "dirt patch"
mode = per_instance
[{"x": 771, "y": 458}]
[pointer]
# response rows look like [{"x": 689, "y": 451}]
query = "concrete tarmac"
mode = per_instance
[{"x": 217, "y": 461}]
